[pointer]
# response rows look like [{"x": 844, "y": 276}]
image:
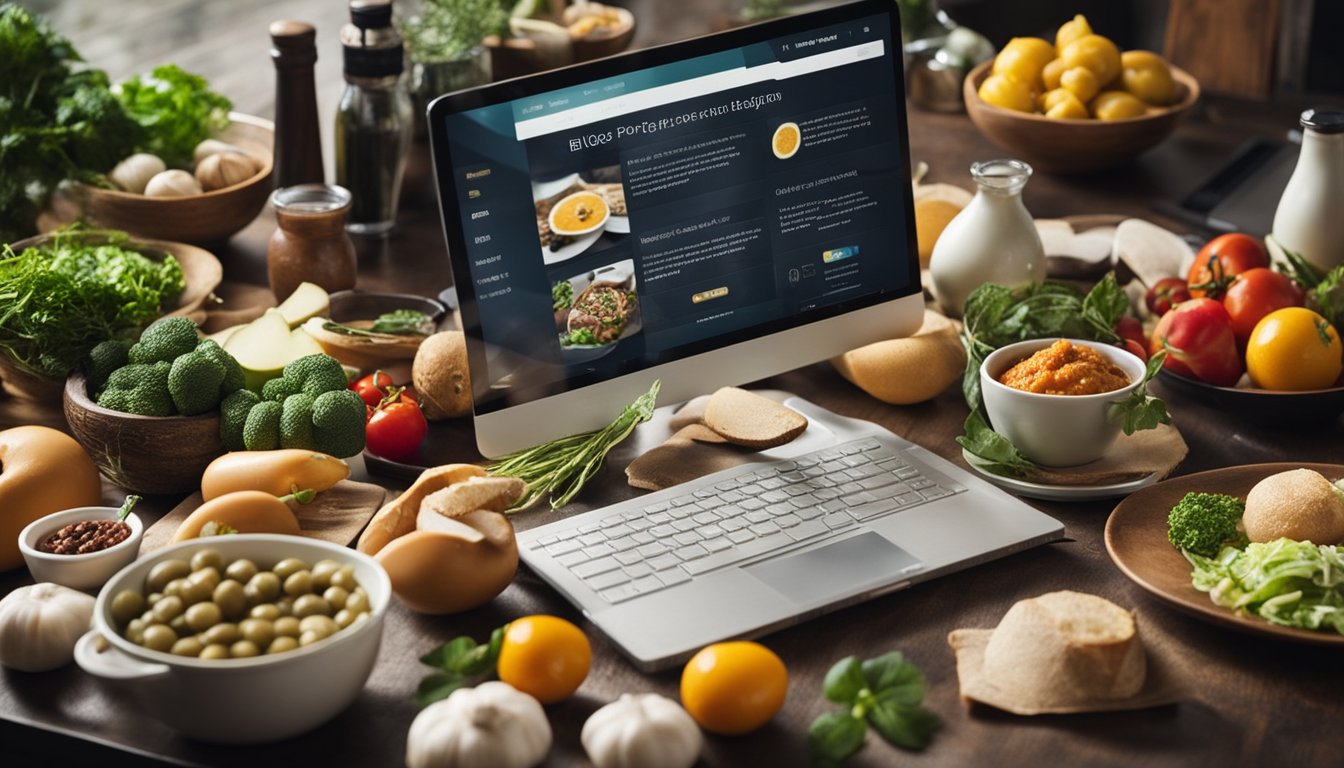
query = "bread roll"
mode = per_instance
[
  {"x": 1066, "y": 647},
  {"x": 1299, "y": 504}
]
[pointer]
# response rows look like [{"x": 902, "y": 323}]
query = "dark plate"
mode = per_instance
[
  {"x": 1136, "y": 538},
  {"x": 368, "y": 305},
  {"x": 1263, "y": 406},
  {"x": 452, "y": 441}
]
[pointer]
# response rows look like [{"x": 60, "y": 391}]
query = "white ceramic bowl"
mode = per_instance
[
  {"x": 243, "y": 701},
  {"x": 1054, "y": 430},
  {"x": 78, "y": 571}
]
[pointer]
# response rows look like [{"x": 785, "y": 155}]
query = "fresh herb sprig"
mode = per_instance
[
  {"x": 457, "y": 663},
  {"x": 1324, "y": 292},
  {"x": 560, "y": 468},
  {"x": 996, "y": 316},
  {"x": 398, "y": 322},
  {"x": 886, "y": 693},
  {"x": 176, "y": 108}
]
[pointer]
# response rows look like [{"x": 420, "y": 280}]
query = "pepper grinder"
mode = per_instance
[{"x": 298, "y": 146}]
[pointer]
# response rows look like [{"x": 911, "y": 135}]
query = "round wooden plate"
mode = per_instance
[{"x": 1136, "y": 538}]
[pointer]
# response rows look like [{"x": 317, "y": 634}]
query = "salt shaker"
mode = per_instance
[
  {"x": 992, "y": 240},
  {"x": 1310, "y": 218},
  {"x": 374, "y": 120}
]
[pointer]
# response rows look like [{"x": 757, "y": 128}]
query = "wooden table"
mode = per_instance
[{"x": 1258, "y": 702}]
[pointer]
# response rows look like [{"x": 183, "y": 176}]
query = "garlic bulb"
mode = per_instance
[
  {"x": 39, "y": 625},
  {"x": 133, "y": 173},
  {"x": 490, "y": 726},
  {"x": 642, "y": 731},
  {"x": 210, "y": 147},
  {"x": 224, "y": 170},
  {"x": 173, "y": 183}
]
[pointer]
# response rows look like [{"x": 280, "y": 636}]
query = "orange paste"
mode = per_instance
[{"x": 1066, "y": 369}]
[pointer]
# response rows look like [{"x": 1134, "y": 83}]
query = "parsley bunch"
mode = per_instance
[{"x": 885, "y": 693}]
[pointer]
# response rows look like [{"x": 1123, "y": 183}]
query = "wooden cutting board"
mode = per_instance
[{"x": 336, "y": 515}]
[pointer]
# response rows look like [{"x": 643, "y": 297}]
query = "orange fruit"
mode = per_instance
[
  {"x": 545, "y": 657},
  {"x": 1293, "y": 349},
  {"x": 786, "y": 141},
  {"x": 733, "y": 687}
]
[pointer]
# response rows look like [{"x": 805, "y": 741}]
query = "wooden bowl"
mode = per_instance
[
  {"x": 143, "y": 454},
  {"x": 209, "y": 217},
  {"x": 1075, "y": 146},
  {"x": 201, "y": 272},
  {"x": 603, "y": 41}
]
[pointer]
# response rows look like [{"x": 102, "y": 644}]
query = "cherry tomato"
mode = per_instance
[
  {"x": 372, "y": 388},
  {"x": 1131, "y": 330},
  {"x": 1254, "y": 294},
  {"x": 1294, "y": 349},
  {"x": 1165, "y": 294},
  {"x": 545, "y": 657},
  {"x": 1221, "y": 259},
  {"x": 734, "y": 687},
  {"x": 395, "y": 430},
  {"x": 1199, "y": 342},
  {"x": 1136, "y": 349}
]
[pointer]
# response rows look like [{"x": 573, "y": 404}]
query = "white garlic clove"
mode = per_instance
[
  {"x": 133, "y": 173},
  {"x": 173, "y": 183},
  {"x": 210, "y": 147},
  {"x": 224, "y": 170}
]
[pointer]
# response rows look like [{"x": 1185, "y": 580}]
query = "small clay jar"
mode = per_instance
[{"x": 310, "y": 243}]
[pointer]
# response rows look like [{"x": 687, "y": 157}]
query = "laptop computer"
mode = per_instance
[{"x": 705, "y": 213}]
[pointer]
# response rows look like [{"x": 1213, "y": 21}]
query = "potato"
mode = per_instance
[{"x": 440, "y": 376}]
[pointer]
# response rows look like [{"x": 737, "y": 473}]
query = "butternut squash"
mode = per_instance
[
  {"x": 276, "y": 472},
  {"x": 244, "y": 512},
  {"x": 42, "y": 471}
]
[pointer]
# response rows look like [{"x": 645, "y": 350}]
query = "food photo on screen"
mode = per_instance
[
  {"x": 595, "y": 309},
  {"x": 576, "y": 210}
]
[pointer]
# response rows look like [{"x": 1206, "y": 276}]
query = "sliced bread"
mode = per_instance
[{"x": 748, "y": 419}]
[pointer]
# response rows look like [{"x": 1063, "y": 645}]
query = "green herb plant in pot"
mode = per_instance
[{"x": 444, "y": 48}]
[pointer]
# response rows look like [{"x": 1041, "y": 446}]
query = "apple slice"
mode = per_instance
[
  {"x": 308, "y": 300},
  {"x": 262, "y": 348}
]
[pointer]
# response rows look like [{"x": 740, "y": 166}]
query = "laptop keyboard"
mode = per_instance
[{"x": 765, "y": 509}]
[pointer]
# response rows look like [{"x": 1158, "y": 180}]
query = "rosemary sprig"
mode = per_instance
[{"x": 561, "y": 467}]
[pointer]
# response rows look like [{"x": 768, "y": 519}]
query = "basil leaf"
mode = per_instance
[
  {"x": 448, "y": 656},
  {"x": 910, "y": 727},
  {"x": 844, "y": 681},
  {"x": 437, "y": 686},
  {"x": 1103, "y": 306},
  {"x": 995, "y": 452},
  {"x": 834, "y": 737},
  {"x": 894, "y": 679},
  {"x": 1141, "y": 410}
]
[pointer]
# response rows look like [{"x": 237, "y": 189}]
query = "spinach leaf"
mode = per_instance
[{"x": 993, "y": 452}]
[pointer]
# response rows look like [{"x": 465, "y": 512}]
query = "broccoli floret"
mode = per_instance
[
  {"x": 316, "y": 374},
  {"x": 279, "y": 388},
  {"x": 165, "y": 340},
  {"x": 262, "y": 430},
  {"x": 338, "y": 423},
  {"x": 105, "y": 358},
  {"x": 194, "y": 383},
  {"x": 139, "y": 389},
  {"x": 296, "y": 422},
  {"x": 233, "y": 372},
  {"x": 233, "y": 411},
  {"x": 1203, "y": 522}
]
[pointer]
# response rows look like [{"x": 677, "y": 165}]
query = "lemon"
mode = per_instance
[
  {"x": 1117, "y": 105},
  {"x": 1002, "y": 91}
]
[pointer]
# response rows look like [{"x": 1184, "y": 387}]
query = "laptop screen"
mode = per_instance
[{"x": 633, "y": 212}]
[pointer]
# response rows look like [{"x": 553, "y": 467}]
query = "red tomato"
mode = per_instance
[
  {"x": 1254, "y": 294},
  {"x": 395, "y": 430},
  {"x": 1221, "y": 259},
  {"x": 372, "y": 388},
  {"x": 1165, "y": 294},
  {"x": 1199, "y": 342}
]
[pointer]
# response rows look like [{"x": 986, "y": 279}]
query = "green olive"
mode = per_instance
[
  {"x": 207, "y": 558},
  {"x": 344, "y": 618},
  {"x": 168, "y": 608},
  {"x": 175, "y": 587},
  {"x": 287, "y": 626},
  {"x": 208, "y": 575},
  {"x": 215, "y": 652},
  {"x": 266, "y": 611},
  {"x": 179, "y": 625},
  {"x": 195, "y": 591},
  {"x": 187, "y": 646},
  {"x": 244, "y": 649},
  {"x": 126, "y": 605},
  {"x": 259, "y": 631},
  {"x": 135, "y": 631},
  {"x": 344, "y": 577},
  {"x": 231, "y": 599},
  {"x": 224, "y": 633},
  {"x": 288, "y": 566},
  {"x": 241, "y": 570},
  {"x": 153, "y": 597},
  {"x": 262, "y": 588},
  {"x": 159, "y": 637},
  {"x": 318, "y": 622},
  {"x": 311, "y": 605},
  {"x": 358, "y": 602},
  {"x": 336, "y": 597},
  {"x": 285, "y": 606},
  {"x": 299, "y": 583},
  {"x": 282, "y": 644},
  {"x": 164, "y": 572},
  {"x": 323, "y": 570},
  {"x": 203, "y": 616}
]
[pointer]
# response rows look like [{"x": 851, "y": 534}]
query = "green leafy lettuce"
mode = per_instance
[
  {"x": 1285, "y": 582},
  {"x": 176, "y": 109}
]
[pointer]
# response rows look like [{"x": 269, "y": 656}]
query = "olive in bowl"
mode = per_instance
[
  {"x": 82, "y": 547},
  {"x": 1053, "y": 426},
  {"x": 175, "y": 627}
]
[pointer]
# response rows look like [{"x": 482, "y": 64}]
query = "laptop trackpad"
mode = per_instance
[{"x": 818, "y": 574}]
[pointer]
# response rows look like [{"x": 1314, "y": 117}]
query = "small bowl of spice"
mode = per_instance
[
  {"x": 1051, "y": 397},
  {"x": 82, "y": 547}
]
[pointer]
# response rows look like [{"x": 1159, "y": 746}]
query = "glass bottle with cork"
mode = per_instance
[{"x": 374, "y": 120}]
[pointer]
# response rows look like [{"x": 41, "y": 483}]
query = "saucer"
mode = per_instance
[{"x": 1061, "y": 492}]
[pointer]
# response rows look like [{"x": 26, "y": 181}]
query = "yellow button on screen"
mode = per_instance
[{"x": 713, "y": 293}]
